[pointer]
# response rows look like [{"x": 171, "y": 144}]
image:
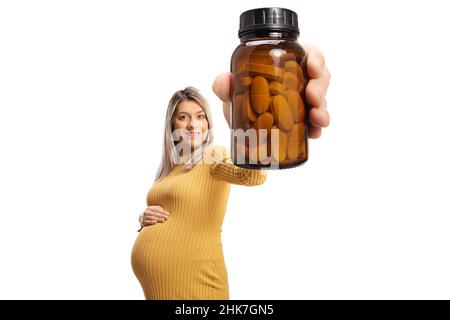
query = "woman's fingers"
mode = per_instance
[
  {"x": 149, "y": 222},
  {"x": 319, "y": 76},
  {"x": 157, "y": 209},
  {"x": 221, "y": 86},
  {"x": 157, "y": 215},
  {"x": 153, "y": 220},
  {"x": 319, "y": 117},
  {"x": 153, "y": 214},
  {"x": 315, "y": 61},
  {"x": 314, "y": 132},
  {"x": 316, "y": 90}
]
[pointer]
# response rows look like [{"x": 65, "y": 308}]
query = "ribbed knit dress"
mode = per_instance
[{"x": 182, "y": 258}]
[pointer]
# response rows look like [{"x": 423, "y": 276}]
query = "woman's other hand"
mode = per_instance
[{"x": 153, "y": 215}]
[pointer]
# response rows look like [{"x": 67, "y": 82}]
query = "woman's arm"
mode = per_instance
[
  {"x": 222, "y": 168},
  {"x": 237, "y": 175}
]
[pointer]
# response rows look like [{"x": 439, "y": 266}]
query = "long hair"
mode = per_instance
[{"x": 169, "y": 151}]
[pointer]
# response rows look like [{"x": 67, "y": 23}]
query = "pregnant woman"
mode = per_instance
[{"x": 178, "y": 252}]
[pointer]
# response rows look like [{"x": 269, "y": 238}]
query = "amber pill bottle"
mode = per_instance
[{"x": 269, "y": 112}]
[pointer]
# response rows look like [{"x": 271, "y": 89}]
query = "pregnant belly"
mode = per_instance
[{"x": 163, "y": 249}]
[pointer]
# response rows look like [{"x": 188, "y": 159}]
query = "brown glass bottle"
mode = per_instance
[{"x": 269, "y": 110}]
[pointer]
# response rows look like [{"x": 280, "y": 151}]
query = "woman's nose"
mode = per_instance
[{"x": 192, "y": 123}]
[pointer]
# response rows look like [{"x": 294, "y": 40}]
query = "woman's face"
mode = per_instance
[{"x": 191, "y": 120}]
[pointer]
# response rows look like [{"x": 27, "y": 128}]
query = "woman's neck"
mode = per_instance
[{"x": 193, "y": 154}]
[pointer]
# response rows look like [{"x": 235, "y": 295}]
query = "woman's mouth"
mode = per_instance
[{"x": 192, "y": 135}]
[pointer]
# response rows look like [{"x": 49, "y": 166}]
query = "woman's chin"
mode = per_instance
[{"x": 193, "y": 143}]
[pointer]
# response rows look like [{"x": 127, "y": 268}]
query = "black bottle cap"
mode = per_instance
[{"x": 272, "y": 19}]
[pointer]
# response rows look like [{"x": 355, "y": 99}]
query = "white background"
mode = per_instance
[{"x": 84, "y": 87}]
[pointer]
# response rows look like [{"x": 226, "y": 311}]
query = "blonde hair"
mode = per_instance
[{"x": 169, "y": 152}]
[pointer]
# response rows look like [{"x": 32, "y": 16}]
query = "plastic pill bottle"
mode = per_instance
[{"x": 269, "y": 112}]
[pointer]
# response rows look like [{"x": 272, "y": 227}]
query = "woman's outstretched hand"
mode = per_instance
[{"x": 316, "y": 89}]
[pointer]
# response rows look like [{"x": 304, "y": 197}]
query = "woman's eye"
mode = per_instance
[
  {"x": 182, "y": 117},
  {"x": 202, "y": 116}
]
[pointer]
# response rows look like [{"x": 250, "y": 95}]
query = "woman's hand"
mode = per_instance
[
  {"x": 153, "y": 215},
  {"x": 316, "y": 89}
]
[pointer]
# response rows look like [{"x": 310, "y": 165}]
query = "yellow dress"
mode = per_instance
[{"x": 182, "y": 258}]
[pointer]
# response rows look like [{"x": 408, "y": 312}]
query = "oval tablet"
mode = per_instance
[
  {"x": 276, "y": 87},
  {"x": 260, "y": 94},
  {"x": 264, "y": 121},
  {"x": 236, "y": 112},
  {"x": 296, "y": 104},
  {"x": 247, "y": 112},
  {"x": 291, "y": 82},
  {"x": 283, "y": 112},
  {"x": 268, "y": 71},
  {"x": 294, "y": 67},
  {"x": 243, "y": 83}
]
